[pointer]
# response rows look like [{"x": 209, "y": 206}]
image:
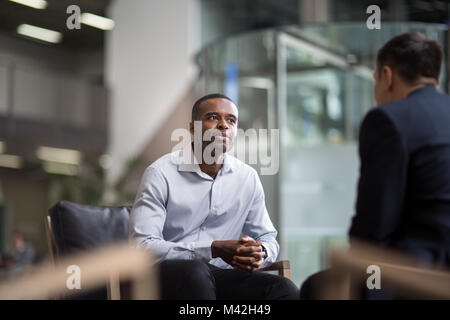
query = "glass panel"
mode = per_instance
[{"x": 253, "y": 56}]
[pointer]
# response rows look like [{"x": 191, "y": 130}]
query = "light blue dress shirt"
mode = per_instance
[{"x": 180, "y": 210}]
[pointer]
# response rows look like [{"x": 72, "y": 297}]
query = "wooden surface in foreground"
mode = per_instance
[{"x": 97, "y": 266}]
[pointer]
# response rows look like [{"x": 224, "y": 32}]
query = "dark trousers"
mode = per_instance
[{"x": 197, "y": 280}]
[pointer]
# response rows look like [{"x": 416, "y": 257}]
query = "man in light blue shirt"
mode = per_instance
[{"x": 206, "y": 221}]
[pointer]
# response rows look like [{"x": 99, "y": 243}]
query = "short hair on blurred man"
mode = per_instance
[{"x": 411, "y": 55}]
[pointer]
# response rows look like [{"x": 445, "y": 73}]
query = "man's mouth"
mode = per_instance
[{"x": 221, "y": 138}]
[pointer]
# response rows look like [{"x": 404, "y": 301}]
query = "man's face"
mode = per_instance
[{"x": 222, "y": 115}]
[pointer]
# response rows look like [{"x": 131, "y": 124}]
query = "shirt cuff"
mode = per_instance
[{"x": 202, "y": 250}]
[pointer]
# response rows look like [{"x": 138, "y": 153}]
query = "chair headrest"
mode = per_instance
[{"x": 78, "y": 227}]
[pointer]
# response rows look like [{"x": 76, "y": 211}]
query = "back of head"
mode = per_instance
[{"x": 412, "y": 56}]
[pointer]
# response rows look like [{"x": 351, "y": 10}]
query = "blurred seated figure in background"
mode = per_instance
[
  {"x": 403, "y": 199},
  {"x": 22, "y": 256},
  {"x": 23, "y": 252},
  {"x": 205, "y": 218}
]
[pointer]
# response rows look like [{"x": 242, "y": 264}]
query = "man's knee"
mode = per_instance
[
  {"x": 281, "y": 288},
  {"x": 289, "y": 289},
  {"x": 196, "y": 272},
  {"x": 186, "y": 279}
]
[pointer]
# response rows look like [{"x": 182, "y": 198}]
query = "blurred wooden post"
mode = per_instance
[{"x": 113, "y": 286}]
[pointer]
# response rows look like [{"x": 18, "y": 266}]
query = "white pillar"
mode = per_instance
[{"x": 149, "y": 65}]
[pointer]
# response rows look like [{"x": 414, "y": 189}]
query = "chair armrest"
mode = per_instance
[{"x": 282, "y": 266}]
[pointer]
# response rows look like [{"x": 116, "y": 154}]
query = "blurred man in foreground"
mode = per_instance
[{"x": 403, "y": 199}]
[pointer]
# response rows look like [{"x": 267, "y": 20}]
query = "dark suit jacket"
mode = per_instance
[{"x": 404, "y": 187}]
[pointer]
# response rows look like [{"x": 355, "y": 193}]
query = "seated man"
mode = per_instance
[
  {"x": 403, "y": 198},
  {"x": 192, "y": 215}
]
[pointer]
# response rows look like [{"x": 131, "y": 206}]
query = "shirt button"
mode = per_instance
[{"x": 202, "y": 228}]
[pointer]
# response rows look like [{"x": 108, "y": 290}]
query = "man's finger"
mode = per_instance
[
  {"x": 249, "y": 249},
  {"x": 244, "y": 260},
  {"x": 242, "y": 267},
  {"x": 246, "y": 266},
  {"x": 255, "y": 261},
  {"x": 248, "y": 244},
  {"x": 246, "y": 240}
]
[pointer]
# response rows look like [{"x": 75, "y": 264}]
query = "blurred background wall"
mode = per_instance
[
  {"x": 82, "y": 116},
  {"x": 148, "y": 68}
]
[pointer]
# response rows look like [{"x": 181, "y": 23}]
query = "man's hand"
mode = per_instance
[
  {"x": 244, "y": 254},
  {"x": 225, "y": 249},
  {"x": 250, "y": 256}
]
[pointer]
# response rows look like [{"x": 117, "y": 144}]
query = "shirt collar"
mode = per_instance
[{"x": 228, "y": 163}]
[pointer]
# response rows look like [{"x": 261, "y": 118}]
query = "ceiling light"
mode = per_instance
[
  {"x": 10, "y": 161},
  {"x": 39, "y": 33},
  {"x": 37, "y": 4},
  {"x": 68, "y": 156},
  {"x": 60, "y": 168},
  {"x": 96, "y": 21}
]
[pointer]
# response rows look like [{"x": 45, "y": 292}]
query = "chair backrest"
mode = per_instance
[{"x": 76, "y": 227}]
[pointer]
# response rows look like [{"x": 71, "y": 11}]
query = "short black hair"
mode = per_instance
[
  {"x": 196, "y": 107},
  {"x": 411, "y": 55}
]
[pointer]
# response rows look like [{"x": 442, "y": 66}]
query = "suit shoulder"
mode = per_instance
[{"x": 379, "y": 117}]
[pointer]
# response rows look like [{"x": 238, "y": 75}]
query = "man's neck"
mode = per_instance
[
  {"x": 420, "y": 83},
  {"x": 211, "y": 169}
]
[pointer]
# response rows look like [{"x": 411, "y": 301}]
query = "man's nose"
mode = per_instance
[{"x": 222, "y": 124}]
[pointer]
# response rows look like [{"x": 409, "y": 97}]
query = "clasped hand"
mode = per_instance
[{"x": 244, "y": 254}]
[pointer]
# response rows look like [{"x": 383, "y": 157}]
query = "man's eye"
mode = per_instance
[
  {"x": 212, "y": 117},
  {"x": 232, "y": 120}
]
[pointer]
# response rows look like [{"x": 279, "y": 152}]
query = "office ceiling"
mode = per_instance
[
  {"x": 266, "y": 13},
  {"x": 255, "y": 13},
  {"x": 54, "y": 17}
]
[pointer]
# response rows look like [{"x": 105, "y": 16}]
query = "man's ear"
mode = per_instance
[
  {"x": 387, "y": 75},
  {"x": 191, "y": 127}
]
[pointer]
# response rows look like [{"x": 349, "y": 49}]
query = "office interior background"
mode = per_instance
[{"x": 82, "y": 116}]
